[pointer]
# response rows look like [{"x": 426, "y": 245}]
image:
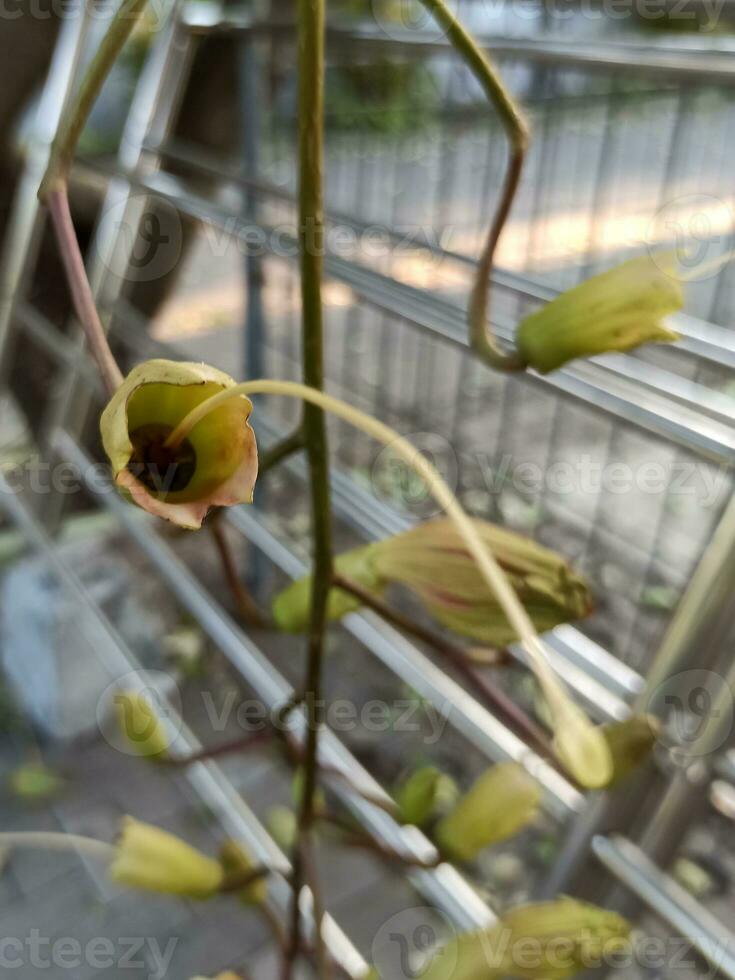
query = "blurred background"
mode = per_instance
[{"x": 184, "y": 202}]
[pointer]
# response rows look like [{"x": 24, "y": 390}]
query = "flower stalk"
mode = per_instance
[
  {"x": 311, "y": 39},
  {"x": 580, "y": 747},
  {"x": 517, "y": 131}
]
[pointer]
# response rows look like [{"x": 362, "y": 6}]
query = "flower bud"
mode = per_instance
[
  {"x": 615, "y": 311},
  {"x": 292, "y": 606},
  {"x": 553, "y": 940},
  {"x": 140, "y": 724},
  {"x": 154, "y": 860},
  {"x": 238, "y": 863},
  {"x": 35, "y": 783},
  {"x": 630, "y": 743},
  {"x": 433, "y": 561},
  {"x": 283, "y": 826},
  {"x": 419, "y": 797},
  {"x": 216, "y": 465},
  {"x": 500, "y": 803}
]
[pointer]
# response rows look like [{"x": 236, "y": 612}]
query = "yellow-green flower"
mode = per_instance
[
  {"x": 154, "y": 860},
  {"x": 433, "y": 562},
  {"x": 215, "y": 466},
  {"x": 237, "y": 864},
  {"x": 615, "y": 311},
  {"x": 553, "y": 940},
  {"x": 140, "y": 724},
  {"x": 501, "y": 802}
]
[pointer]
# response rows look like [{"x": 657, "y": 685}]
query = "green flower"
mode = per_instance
[
  {"x": 216, "y": 466},
  {"x": 615, "y": 311},
  {"x": 499, "y": 804},
  {"x": 154, "y": 860},
  {"x": 433, "y": 562}
]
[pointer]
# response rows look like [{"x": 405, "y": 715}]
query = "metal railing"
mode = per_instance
[{"x": 671, "y": 405}]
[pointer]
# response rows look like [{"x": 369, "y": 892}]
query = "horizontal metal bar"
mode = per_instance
[
  {"x": 206, "y": 777},
  {"x": 622, "y": 397},
  {"x": 707, "y": 341},
  {"x": 443, "y": 886},
  {"x": 664, "y": 896},
  {"x": 711, "y": 59}
]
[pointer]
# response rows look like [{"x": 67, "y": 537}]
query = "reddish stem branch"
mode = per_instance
[
  {"x": 57, "y": 201},
  {"x": 493, "y": 696}
]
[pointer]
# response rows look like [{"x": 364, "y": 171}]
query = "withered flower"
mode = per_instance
[{"x": 215, "y": 466}]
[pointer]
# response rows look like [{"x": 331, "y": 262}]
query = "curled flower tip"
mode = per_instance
[
  {"x": 153, "y": 860},
  {"x": 612, "y": 312},
  {"x": 216, "y": 465}
]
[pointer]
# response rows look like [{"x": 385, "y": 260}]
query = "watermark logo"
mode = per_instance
[
  {"x": 699, "y": 710},
  {"x": 149, "y": 236},
  {"x": 122, "y": 726},
  {"x": 397, "y": 483},
  {"x": 699, "y": 228},
  {"x": 409, "y": 942}
]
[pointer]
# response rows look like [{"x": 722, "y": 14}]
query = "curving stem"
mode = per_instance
[{"x": 480, "y": 332}]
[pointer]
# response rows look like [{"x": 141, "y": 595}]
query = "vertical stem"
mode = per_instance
[
  {"x": 311, "y": 237},
  {"x": 57, "y": 201},
  {"x": 246, "y": 606}
]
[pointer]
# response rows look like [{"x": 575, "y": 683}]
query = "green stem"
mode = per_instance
[
  {"x": 579, "y": 745},
  {"x": 75, "y": 118},
  {"x": 516, "y": 127},
  {"x": 281, "y": 450},
  {"x": 311, "y": 16}
]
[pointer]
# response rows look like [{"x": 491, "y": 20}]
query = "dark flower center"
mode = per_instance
[{"x": 159, "y": 468}]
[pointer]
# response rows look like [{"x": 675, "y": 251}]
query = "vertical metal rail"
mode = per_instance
[
  {"x": 659, "y": 806},
  {"x": 26, "y": 219}
]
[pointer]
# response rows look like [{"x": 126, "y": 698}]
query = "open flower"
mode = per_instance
[
  {"x": 215, "y": 466},
  {"x": 615, "y": 311},
  {"x": 433, "y": 562},
  {"x": 154, "y": 860}
]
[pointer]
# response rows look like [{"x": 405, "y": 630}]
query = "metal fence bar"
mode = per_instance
[
  {"x": 698, "y": 337},
  {"x": 655, "y": 411},
  {"x": 664, "y": 896},
  {"x": 206, "y": 777}
]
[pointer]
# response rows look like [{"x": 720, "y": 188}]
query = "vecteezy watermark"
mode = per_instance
[
  {"x": 699, "y": 709},
  {"x": 701, "y": 230},
  {"x": 157, "y": 690},
  {"x": 38, "y": 952},
  {"x": 61, "y": 10},
  {"x": 396, "y": 18},
  {"x": 117, "y": 718},
  {"x": 149, "y": 237},
  {"x": 411, "y": 942},
  {"x": 395, "y": 482}
]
